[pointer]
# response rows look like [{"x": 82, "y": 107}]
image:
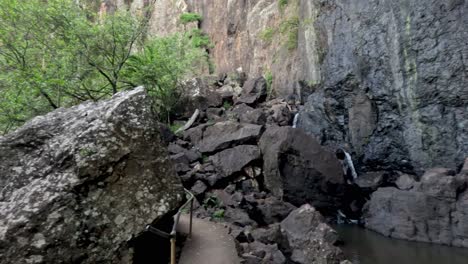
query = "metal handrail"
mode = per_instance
[{"x": 173, "y": 233}]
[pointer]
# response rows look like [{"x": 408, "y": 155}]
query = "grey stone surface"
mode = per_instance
[
  {"x": 233, "y": 160},
  {"x": 434, "y": 210},
  {"x": 310, "y": 239},
  {"x": 299, "y": 170},
  {"x": 79, "y": 183},
  {"x": 254, "y": 91},
  {"x": 392, "y": 82},
  {"x": 223, "y": 135}
]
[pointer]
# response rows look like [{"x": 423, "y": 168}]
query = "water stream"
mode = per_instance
[{"x": 363, "y": 246}]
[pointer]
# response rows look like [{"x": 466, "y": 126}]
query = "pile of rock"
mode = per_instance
[{"x": 249, "y": 169}]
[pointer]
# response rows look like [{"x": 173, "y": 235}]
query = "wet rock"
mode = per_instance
[
  {"x": 433, "y": 210},
  {"x": 226, "y": 134},
  {"x": 274, "y": 210},
  {"x": 233, "y": 160},
  {"x": 78, "y": 183},
  {"x": 297, "y": 168},
  {"x": 254, "y": 91},
  {"x": 372, "y": 180},
  {"x": 310, "y": 239}
]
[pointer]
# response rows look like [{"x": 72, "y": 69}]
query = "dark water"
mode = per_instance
[{"x": 363, "y": 246}]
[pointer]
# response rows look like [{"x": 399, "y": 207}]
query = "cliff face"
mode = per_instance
[{"x": 387, "y": 79}]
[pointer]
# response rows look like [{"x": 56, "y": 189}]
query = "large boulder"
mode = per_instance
[
  {"x": 79, "y": 183},
  {"x": 223, "y": 135},
  {"x": 309, "y": 238},
  {"x": 434, "y": 209},
  {"x": 299, "y": 170},
  {"x": 254, "y": 91},
  {"x": 233, "y": 160}
]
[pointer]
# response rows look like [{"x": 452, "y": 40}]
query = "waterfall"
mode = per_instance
[
  {"x": 296, "y": 117},
  {"x": 350, "y": 163}
]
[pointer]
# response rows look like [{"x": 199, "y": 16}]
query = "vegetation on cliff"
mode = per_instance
[{"x": 58, "y": 54}]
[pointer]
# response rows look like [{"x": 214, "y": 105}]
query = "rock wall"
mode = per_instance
[
  {"x": 79, "y": 183},
  {"x": 434, "y": 209},
  {"x": 387, "y": 79}
]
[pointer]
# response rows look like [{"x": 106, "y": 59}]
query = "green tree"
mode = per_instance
[{"x": 161, "y": 67}]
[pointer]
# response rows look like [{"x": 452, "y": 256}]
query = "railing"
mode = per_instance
[{"x": 172, "y": 236}]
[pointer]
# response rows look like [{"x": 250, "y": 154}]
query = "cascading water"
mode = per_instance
[{"x": 296, "y": 118}]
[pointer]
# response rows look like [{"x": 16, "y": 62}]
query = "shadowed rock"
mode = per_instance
[{"x": 297, "y": 168}]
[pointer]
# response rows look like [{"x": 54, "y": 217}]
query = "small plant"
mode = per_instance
[
  {"x": 205, "y": 158},
  {"x": 282, "y": 4},
  {"x": 269, "y": 81},
  {"x": 190, "y": 17},
  {"x": 290, "y": 28},
  {"x": 86, "y": 152},
  {"x": 200, "y": 39},
  {"x": 218, "y": 213},
  {"x": 267, "y": 35},
  {"x": 227, "y": 105},
  {"x": 174, "y": 127},
  {"x": 211, "y": 202}
]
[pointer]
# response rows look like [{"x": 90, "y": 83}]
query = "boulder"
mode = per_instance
[
  {"x": 299, "y": 170},
  {"x": 274, "y": 210},
  {"x": 79, "y": 183},
  {"x": 309, "y": 238},
  {"x": 434, "y": 210},
  {"x": 247, "y": 114},
  {"x": 233, "y": 160},
  {"x": 226, "y": 134},
  {"x": 254, "y": 91},
  {"x": 279, "y": 113},
  {"x": 405, "y": 182},
  {"x": 259, "y": 253}
]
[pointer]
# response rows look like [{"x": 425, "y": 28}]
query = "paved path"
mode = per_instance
[{"x": 210, "y": 243}]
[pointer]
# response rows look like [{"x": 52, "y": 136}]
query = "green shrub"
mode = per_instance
[
  {"x": 190, "y": 17},
  {"x": 160, "y": 67},
  {"x": 290, "y": 28},
  {"x": 227, "y": 105},
  {"x": 200, "y": 39},
  {"x": 282, "y": 4},
  {"x": 267, "y": 35},
  {"x": 218, "y": 213},
  {"x": 269, "y": 81}
]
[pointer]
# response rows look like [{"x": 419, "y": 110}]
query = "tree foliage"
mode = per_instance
[{"x": 54, "y": 53}]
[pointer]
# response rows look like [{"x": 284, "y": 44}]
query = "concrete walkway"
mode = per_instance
[{"x": 210, "y": 243}]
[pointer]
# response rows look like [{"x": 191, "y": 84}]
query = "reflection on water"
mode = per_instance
[{"x": 363, "y": 246}]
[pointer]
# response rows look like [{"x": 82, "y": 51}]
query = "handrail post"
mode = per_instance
[
  {"x": 173, "y": 250},
  {"x": 191, "y": 216}
]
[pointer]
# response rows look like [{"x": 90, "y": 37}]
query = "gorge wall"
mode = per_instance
[{"x": 386, "y": 79}]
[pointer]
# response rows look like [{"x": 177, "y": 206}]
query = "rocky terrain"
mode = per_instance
[
  {"x": 79, "y": 184},
  {"x": 252, "y": 171},
  {"x": 386, "y": 78}
]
